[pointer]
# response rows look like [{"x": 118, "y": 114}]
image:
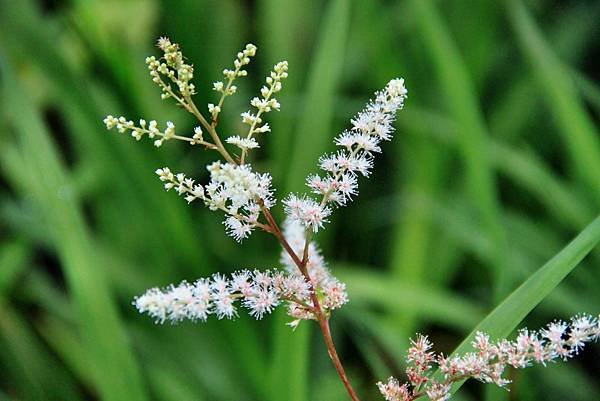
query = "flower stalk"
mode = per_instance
[{"x": 322, "y": 319}]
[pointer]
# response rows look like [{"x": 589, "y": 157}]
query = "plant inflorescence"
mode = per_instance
[{"x": 305, "y": 284}]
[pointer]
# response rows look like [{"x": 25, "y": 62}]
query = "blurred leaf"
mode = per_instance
[
  {"x": 367, "y": 287},
  {"x": 284, "y": 34},
  {"x": 577, "y": 128},
  {"x": 571, "y": 34},
  {"x": 35, "y": 374},
  {"x": 522, "y": 166},
  {"x": 14, "y": 257},
  {"x": 117, "y": 376},
  {"x": 313, "y": 133},
  {"x": 589, "y": 89},
  {"x": 461, "y": 100}
]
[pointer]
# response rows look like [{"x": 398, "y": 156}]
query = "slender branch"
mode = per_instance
[
  {"x": 253, "y": 126},
  {"x": 306, "y": 247},
  {"x": 276, "y": 231},
  {"x": 179, "y": 137},
  {"x": 191, "y": 107},
  {"x": 187, "y": 103},
  {"x": 230, "y": 80},
  {"x": 324, "y": 324},
  {"x": 299, "y": 302}
]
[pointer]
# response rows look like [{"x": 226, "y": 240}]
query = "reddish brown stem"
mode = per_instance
[
  {"x": 321, "y": 316},
  {"x": 324, "y": 325}
]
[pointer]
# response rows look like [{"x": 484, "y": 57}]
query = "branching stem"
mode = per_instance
[
  {"x": 322, "y": 318},
  {"x": 191, "y": 107}
]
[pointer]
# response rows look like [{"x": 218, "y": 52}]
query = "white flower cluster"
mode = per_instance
[
  {"x": 234, "y": 189},
  {"x": 245, "y": 144},
  {"x": 330, "y": 291},
  {"x": 559, "y": 340},
  {"x": 339, "y": 184},
  {"x": 258, "y": 291},
  {"x": 264, "y": 104},
  {"x": 151, "y": 129},
  {"x": 173, "y": 66},
  {"x": 306, "y": 211},
  {"x": 228, "y": 89}
]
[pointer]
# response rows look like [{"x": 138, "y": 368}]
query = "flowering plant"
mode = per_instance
[{"x": 306, "y": 286}]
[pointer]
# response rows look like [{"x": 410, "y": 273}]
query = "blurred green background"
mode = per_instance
[{"x": 494, "y": 169}]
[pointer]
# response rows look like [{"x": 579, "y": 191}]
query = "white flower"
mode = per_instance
[
  {"x": 237, "y": 228},
  {"x": 263, "y": 104},
  {"x": 184, "y": 301},
  {"x": 183, "y": 185},
  {"x": 228, "y": 89},
  {"x": 123, "y": 125},
  {"x": 243, "y": 143},
  {"x": 173, "y": 68},
  {"x": 306, "y": 211},
  {"x": 396, "y": 88},
  {"x": 439, "y": 391},
  {"x": 334, "y": 294},
  {"x": 224, "y": 307},
  {"x": 319, "y": 185},
  {"x": 214, "y": 110},
  {"x": 583, "y": 330},
  {"x": 153, "y": 302},
  {"x": 347, "y": 186},
  {"x": 393, "y": 391},
  {"x": 261, "y": 302}
]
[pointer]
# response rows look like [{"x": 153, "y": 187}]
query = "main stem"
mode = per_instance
[{"x": 321, "y": 316}]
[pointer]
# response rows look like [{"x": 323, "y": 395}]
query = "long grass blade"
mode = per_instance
[{"x": 511, "y": 312}]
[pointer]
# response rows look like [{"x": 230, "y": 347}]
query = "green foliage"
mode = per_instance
[{"x": 494, "y": 172}]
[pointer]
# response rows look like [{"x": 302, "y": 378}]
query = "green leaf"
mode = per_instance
[
  {"x": 14, "y": 257},
  {"x": 367, "y": 287}
]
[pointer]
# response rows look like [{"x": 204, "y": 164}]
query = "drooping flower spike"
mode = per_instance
[
  {"x": 258, "y": 291},
  {"x": 557, "y": 341}
]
